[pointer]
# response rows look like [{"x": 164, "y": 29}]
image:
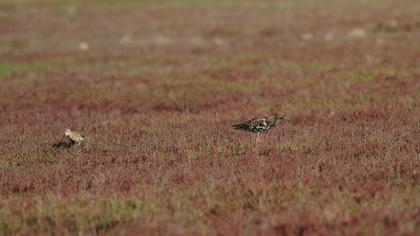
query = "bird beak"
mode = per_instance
[{"x": 286, "y": 118}]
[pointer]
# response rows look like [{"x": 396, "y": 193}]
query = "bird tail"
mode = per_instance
[{"x": 238, "y": 126}]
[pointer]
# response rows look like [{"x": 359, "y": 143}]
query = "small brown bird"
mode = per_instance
[
  {"x": 74, "y": 137},
  {"x": 261, "y": 125}
]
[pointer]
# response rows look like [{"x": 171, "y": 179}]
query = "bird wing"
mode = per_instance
[
  {"x": 247, "y": 125},
  {"x": 260, "y": 124},
  {"x": 75, "y": 136},
  {"x": 242, "y": 126},
  {"x": 255, "y": 125}
]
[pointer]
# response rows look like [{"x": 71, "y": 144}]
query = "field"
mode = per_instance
[{"x": 156, "y": 86}]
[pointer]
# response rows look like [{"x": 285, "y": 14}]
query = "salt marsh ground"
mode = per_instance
[{"x": 156, "y": 85}]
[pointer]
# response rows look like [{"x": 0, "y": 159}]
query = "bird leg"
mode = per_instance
[{"x": 257, "y": 138}]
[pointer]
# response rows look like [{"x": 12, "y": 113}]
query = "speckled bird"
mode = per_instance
[
  {"x": 261, "y": 125},
  {"x": 74, "y": 137}
]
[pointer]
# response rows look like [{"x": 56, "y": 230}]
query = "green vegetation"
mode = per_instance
[{"x": 156, "y": 86}]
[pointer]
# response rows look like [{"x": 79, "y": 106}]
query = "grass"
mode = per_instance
[
  {"x": 156, "y": 93},
  {"x": 8, "y": 68},
  {"x": 92, "y": 213}
]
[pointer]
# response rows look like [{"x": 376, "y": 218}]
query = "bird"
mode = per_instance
[
  {"x": 74, "y": 137},
  {"x": 261, "y": 125}
]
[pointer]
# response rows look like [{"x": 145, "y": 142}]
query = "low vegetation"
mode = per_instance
[{"x": 156, "y": 86}]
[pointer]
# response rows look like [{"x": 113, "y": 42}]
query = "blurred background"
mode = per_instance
[{"x": 155, "y": 87}]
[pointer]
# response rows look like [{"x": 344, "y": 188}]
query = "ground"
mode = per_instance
[{"x": 156, "y": 85}]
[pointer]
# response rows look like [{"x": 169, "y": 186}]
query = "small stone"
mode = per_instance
[
  {"x": 307, "y": 36},
  {"x": 218, "y": 41},
  {"x": 161, "y": 40},
  {"x": 83, "y": 46},
  {"x": 357, "y": 33},
  {"x": 126, "y": 39},
  {"x": 329, "y": 36}
]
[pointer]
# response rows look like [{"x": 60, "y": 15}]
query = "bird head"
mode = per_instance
[
  {"x": 279, "y": 117},
  {"x": 67, "y": 132}
]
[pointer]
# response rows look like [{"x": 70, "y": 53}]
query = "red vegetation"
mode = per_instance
[{"x": 156, "y": 91}]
